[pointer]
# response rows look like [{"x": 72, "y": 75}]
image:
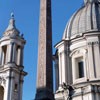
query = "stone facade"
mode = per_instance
[
  {"x": 11, "y": 63},
  {"x": 78, "y": 54}
]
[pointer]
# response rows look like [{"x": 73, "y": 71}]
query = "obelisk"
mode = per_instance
[{"x": 45, "y": 69}]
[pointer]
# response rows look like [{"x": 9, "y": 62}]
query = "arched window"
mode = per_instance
[{"x": 1, "y": 93}]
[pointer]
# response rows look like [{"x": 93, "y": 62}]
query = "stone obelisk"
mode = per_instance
[{"x": 45, "y": 70}]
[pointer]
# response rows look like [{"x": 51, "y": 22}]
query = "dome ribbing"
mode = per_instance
[{"x": 86, "y": 19}]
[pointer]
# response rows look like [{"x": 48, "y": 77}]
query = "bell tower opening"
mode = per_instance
[
  {"x": 1, "y": 93},
  {"x": 4, "y": 48}
]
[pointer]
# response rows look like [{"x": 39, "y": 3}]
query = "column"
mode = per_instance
[
  {"x": 2, "y": 58},
  {"x": 1, "y": 54},
  {"x": 6, "y": 94},
  {"x": 64, "y": 68},
  {"x": 9, "y": 86},
  {"x": 10, "y": 54},
  {"x": 73, "y": 68},
  {"x": 21, "y": 90},
  {"x": 60, "y": 70},
  {"x": 22, "y": 51},
  {"x": 20, "y": 87},
  {"x": 56, "y": 74},
  {"x": 91, "y": 60},
  {"x": 14, "y": 53},
  {"x": 7, "y": 54},
  {"x": 96, "y": 50},
  {"x": 68, "y": 65},
  {"x": 20, "y": 56}
]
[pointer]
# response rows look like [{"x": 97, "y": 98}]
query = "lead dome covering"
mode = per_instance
[{"x": 86, "y": 19}]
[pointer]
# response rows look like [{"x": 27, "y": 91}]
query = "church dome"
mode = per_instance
[{"x": 86, "y": 19}]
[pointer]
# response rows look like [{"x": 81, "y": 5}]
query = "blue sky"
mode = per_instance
[{"x": 27, "y": 21}]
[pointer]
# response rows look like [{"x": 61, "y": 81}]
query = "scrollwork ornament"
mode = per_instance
[
  {"x": 2, "y": 81},
  {"x": 89, "y": 43}
]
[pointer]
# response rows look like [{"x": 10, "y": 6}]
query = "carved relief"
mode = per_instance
[
  {"x": 2, "y": 80},
  {"x": 93, "y": 43},
  {"x": 78, "y": 51},
  {"x": 15, "y": 96},
  {"x": 12, "y": 32}
]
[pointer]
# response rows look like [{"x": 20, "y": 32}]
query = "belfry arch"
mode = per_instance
[{"x": 1, "y": 93}]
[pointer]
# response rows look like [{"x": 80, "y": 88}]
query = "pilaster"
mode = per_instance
[
  {"x": 10, "y": 54},
  {"x": 94, "y": 56},
  {"x": 1, "y": 55},
  {"x": 64, "y": 63}
]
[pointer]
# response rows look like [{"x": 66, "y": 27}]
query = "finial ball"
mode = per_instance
[{"x": 12, "y": 15}]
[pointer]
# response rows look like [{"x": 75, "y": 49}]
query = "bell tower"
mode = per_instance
[
  {"x": 45, "y": 68},
  {"x": 11, "y": 63}
]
